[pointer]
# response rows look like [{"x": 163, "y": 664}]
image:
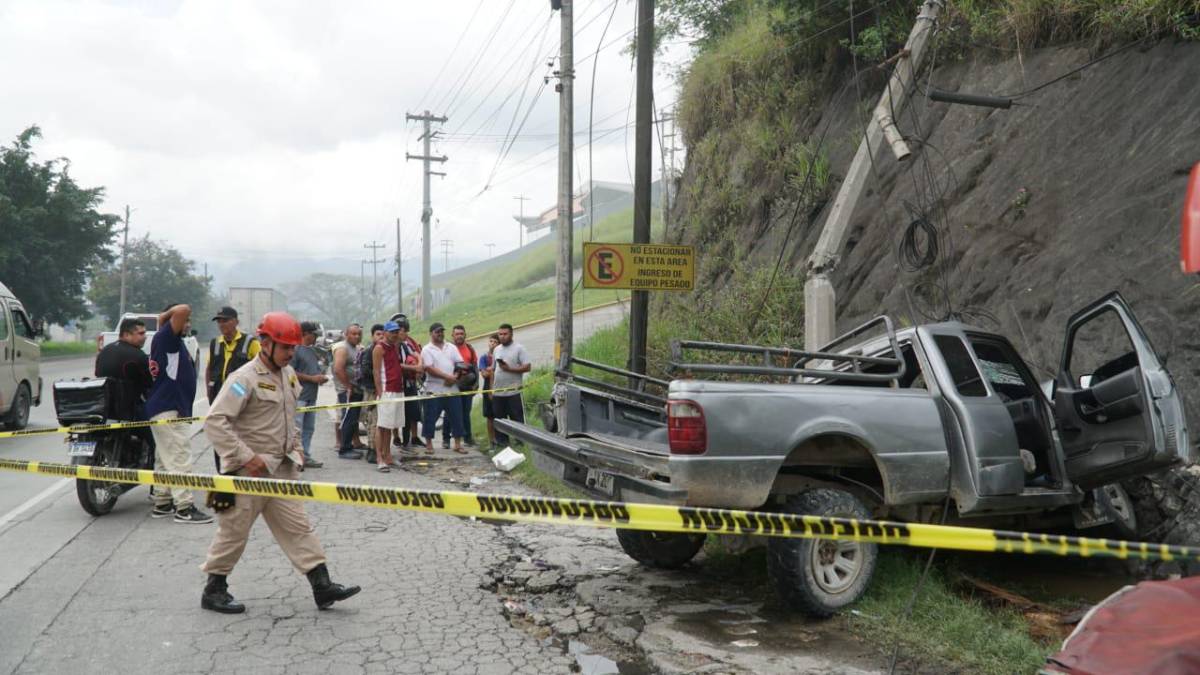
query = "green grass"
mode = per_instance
[
  {"x": 59, "y": 349},
  {"x": 944, "y": 624},
  {"x": 482, "y": 300}
]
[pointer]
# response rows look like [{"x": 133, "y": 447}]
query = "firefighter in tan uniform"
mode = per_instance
[{"x": 251, "y": 425}]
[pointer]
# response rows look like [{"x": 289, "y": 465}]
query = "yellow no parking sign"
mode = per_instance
[{"x": 639, "y": 267}]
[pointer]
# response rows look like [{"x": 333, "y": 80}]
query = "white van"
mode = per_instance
[{"x": 20, "y": 359}]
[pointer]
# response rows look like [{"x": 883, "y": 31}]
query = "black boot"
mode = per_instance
[
  {"x": 217, "y": 598},
  {"x": 325, "y": 592}
]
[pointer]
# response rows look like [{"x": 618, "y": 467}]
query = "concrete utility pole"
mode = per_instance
[
  {"x": 820, "y": 301},
  {"x": 667, "y": 171},
  {"x": 374, "y": 262},
  {"x": 521, "y": 219},
  {"x": 639, "y": 307},
  {"x": 427, "y": 208},
  {"x": 489, "y": 248},
  {"x": 563, "y": 328},
  {"x": 447, "y": 244},
  {"x": 124, "y": 258},
  {"x": 362, "y": 282},
  {"x": 399, "y": 276}
]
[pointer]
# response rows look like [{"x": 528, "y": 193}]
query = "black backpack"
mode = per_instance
[{"x": 366, "y": 369}]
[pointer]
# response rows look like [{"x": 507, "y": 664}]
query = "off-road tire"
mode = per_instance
[
  {"x": 18, "y": 415},
  {"x": 795, "y": 565},
  {"x": 664, "y": 550}
]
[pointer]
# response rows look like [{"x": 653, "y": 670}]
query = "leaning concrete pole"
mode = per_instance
[{"x": 819, "y": 298}]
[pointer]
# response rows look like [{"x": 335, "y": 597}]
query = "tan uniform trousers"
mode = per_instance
[{"x": 288, "y": 523}]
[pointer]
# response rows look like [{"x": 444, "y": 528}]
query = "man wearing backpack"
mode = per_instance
[{"x": 366, "y": 382}]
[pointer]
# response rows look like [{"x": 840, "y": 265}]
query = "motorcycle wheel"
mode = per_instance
[{"x": 98, "y": 497}]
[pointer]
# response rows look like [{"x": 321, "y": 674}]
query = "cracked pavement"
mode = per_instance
[{"x": 440, "y": 594}]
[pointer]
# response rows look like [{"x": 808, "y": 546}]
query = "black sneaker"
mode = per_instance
[
  {"x": 192, "y": 514},
  {"x": 350, "y": 454},
  {"x": 162, "y": 510}
]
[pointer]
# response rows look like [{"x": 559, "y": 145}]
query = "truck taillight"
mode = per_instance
[{"x": 686, "y": 431}]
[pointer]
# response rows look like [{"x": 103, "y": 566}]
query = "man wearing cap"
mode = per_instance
[
  {"x": 252, "y": 425},
  {"x": 311, "y": 374},
  {"x": 439, "y": 358},
  {"x": 229, "y": 352},
  {"x": 410, "y": 352},
  {"x": 390, "y": 368}
]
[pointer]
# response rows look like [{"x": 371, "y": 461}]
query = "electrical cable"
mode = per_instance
[
  {"x": 1089, "y": 64},
  {"x": 498, "y": 80},
  {"x": 453, "y": 51},
  {"x": 591, "y": 112},
  {"x": 461, "y": 82}
]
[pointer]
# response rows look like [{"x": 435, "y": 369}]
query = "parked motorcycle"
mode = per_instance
[{"x": 87, "y": 401}]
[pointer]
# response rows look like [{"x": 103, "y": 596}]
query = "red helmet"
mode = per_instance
[{"x": 281, "y": 327}]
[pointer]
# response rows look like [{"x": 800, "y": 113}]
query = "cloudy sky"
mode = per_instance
[{"x": 241, "y": 129}]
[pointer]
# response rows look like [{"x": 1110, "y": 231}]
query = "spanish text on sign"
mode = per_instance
[{"x": 641, "y": 267}]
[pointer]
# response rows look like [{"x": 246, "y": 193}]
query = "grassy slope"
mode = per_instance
[
  {"x": 485, "y": 299},
  {"x": 57, "y": 349}
]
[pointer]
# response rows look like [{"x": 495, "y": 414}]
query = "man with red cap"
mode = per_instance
[{"x": 251, "y": 424}]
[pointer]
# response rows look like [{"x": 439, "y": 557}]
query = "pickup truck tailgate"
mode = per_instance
[{"x": 604, "y": 465}]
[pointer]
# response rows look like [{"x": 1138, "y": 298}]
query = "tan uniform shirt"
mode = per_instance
[{"x": 255, "y": 413}]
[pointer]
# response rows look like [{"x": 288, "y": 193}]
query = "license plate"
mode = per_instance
[
  {"x": 598, "y": 480},
  {"x": 81, "y": 448}
]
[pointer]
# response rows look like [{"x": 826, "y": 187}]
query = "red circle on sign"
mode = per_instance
[{"x": 601, "y": 264}]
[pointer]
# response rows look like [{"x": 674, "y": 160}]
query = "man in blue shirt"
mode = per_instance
[{"x": 171, "y": 397}]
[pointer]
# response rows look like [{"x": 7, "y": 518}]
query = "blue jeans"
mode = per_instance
[
  {"x": 465, "y": 403},
  {"x": 434, "y": 407},
  {"x": 307, "y": 422},
  {"x": 349, "y": 419}
]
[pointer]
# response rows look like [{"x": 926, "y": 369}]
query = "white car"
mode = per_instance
[
  {"x": 151, "y": 320},
  {"x": 20, "y": 358}
]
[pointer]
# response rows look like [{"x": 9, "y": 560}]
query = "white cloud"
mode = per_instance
[{"x": 247, "y": 127}]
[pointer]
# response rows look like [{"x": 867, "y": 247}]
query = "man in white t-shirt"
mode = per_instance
[
  {"x": 439, "y": 358},
  {"x": 512, "y": 362}
]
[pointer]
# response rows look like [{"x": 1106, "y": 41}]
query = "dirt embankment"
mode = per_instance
[{"x": 1073, "y": 193}]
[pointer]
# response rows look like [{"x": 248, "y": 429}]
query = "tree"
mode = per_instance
[
  {"x": 52, "y": 232},
  {"x": 338, "y": 300},
  {"x": 158, "y": 274}
]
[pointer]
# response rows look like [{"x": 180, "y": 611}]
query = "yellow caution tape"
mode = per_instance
[
  {"x": 655, "y": 517},
  {"x": 85, "y": 428}
]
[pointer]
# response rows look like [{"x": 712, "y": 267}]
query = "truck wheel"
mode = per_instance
[
  {"x": 18, "y": 415},
  {"x": 665, "y": 550},
  {"x": 1115, "y": 502},
  {"x": 821, "y": 576}
]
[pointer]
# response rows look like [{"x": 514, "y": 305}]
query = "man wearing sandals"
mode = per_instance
[
  {"x": 389, "y": 389},
  {"x": 439, "y": 358}
]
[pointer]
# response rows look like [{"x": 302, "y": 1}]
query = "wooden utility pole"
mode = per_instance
[
  {"x": 426, "y": 208},
  {"x": 374, "y": 262},
  {"x": 563, "y": 328},
  {"x": 521, "y": 220},
  {"x": 639, "y": 307},
  {"x": 124, "y": 268},
  {"x": 820, "y": 301}
]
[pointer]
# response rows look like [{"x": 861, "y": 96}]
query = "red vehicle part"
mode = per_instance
[{"x": 1189, "y": 246}]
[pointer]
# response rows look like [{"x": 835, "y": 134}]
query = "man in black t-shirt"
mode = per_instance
[{"x": 125, "y": 362}]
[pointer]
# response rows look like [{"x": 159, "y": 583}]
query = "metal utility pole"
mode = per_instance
[
  {"x": 399, "y": 276},
  {"x": 563, "y": 328},
  {"x": 521, "y": 219},
  {"x": 447, "y": 244},
  {"x": 820, "y": 301},
  {"x": 124, "y": 258},
  {"x": 426, "y": 208},
  {"x": 375, "y": 266},
  {"x": 489, "y": 248},
  {"x": 639, "y": 306}
]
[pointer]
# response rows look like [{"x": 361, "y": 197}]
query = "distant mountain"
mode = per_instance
[{"x": 280, "y": 271}]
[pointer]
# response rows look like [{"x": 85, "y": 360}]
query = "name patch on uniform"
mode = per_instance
[
  {"x": 237, "y": 389},
  {"x": 266, "y": 385}
]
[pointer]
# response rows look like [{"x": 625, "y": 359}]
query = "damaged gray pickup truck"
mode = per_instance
[{"x": 938, "y": 422}]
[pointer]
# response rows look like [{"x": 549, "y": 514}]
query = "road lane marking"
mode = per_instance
[{"x": 32, "y": 502}]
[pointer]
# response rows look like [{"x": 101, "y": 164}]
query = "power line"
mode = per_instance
[
  {"x": 453, "y": 51},
  {"x": 462, "y": 82}
]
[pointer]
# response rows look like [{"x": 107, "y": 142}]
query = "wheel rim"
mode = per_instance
[
  {"x": 836, "y": 565},
  {"x": 102, "y": 491},
  {"x": 1118, "y": 501}
]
